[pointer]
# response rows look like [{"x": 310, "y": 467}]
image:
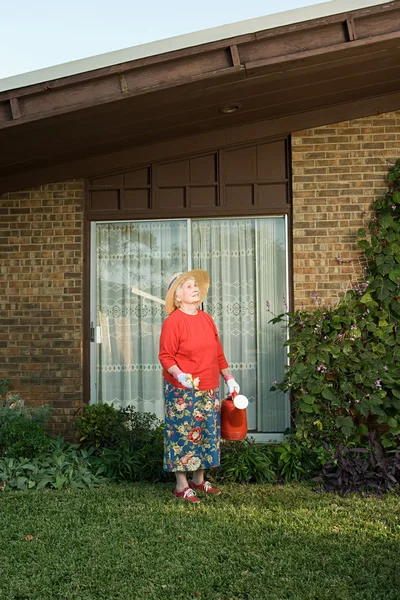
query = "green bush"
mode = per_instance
[
  {"x": 130, "y": 443},
  {"x": 64, "y": 466},
  {"x": 139, "y": 456},
  {"x": 246, "y": 462},
  {"x": 298, "y": 461},
  {"x": 22, "y": 429},
  {"x": 344, "y": 375},
  {"x": 101, "y": 426},
  {"x": 5, "y": 385}
]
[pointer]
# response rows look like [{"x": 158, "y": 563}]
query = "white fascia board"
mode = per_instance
[{"x": 189, "y": 40}]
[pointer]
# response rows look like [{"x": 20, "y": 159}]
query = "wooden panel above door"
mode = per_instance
[{"x": 247, "y": 179}]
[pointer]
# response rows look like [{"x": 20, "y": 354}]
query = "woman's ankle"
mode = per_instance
[
  {"x": 181, "y": 483},
  {"x": 198, "y": 480}
]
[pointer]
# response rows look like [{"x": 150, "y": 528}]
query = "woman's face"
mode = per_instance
[{"x": 189, "y": 292}]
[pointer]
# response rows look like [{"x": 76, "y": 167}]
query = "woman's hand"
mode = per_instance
[
  {"x": 185, "y": 379},
  {"x": 233, "y": 385}
]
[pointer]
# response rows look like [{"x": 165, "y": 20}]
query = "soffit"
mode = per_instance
[{"x": 276, "y": 75}]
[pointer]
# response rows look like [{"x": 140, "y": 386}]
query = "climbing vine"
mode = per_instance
[{"x": 344, "y": 373}]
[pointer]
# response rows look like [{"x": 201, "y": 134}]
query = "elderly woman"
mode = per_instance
[{"x": 192, "y": 358}]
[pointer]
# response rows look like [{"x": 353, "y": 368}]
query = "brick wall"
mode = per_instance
[
  {"x": 338, "y": 170},
  {"x": 41, "y": 249}
]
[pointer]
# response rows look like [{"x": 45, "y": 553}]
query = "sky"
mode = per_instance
[{"x": 40, "y": 33}]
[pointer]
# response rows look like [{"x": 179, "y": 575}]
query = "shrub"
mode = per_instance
[
  {"x": 101, "y": 426},
  {"x": 360, "y": 469},
  {"x": 22, "y": 429},
  {"x": 139, "y": 455},
  {"x": 140, "y": 427},
  {"x": 298, "y": 461},
  {"x": 5, "y": 385},
  {"x": 344, "y": 374},
  {"x": 246, "y": 462},
  {"x": 130, "y": 443},
  {"x": 64, "y": 467}
]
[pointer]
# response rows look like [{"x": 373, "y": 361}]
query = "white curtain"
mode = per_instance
[
  {"x": 134, "y": 263},
  {"x": 246, "y": 259}
]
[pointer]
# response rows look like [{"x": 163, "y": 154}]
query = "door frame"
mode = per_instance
[{"x": 94, "y": 330}]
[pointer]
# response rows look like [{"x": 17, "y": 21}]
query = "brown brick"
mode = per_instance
[
  {"x": 41, "y": 331},
  {"x": 355, "y": 152}
]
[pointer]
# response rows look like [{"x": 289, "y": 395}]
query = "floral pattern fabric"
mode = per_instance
[{"x": 192, "y": 428}]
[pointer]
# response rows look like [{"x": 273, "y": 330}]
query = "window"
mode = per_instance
[{"x": 247, "y": 262}]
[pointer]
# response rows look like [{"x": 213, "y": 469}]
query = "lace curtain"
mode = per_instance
[
  {"x": 134, "y": 261},
  {"x": 246, "y": 259}
]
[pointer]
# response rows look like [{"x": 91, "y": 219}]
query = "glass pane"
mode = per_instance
[
  {"x": 246, "y": 259},
  {"x": 273, "y": 415},
  {"x": 134, "y": 262}
]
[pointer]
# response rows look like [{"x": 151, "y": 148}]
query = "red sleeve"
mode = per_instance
[
  {"x": 169, "y": 344},
  {"x": 222, "y": 362}
]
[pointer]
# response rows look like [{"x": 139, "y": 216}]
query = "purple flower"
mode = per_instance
[
  {"x": 393, "y": 206},
  {"x": 268, "y": 304},
  {"x": 378, "y": 383},
  {"x": 385, "y": 368}
]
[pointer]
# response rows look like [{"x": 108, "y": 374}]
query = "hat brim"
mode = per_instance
[{"x": 202, "y": 279}]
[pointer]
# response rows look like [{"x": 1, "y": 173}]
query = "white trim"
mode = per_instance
[
  {"x": 93, "y": 314},
  {"x": 288, "y": 302},
  {"x": 270, "y": 438},
  {"x": 190, "y": 40},
  {"x": 189, "y": 244}
]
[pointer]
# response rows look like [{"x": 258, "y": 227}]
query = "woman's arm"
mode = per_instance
[{"x": 174, "y": 371}]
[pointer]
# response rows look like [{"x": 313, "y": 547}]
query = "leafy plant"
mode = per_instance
[
  {"x": 65, "y": 466},
  {"x": 101, "y": 426},
  {"x": 139, "y": 426},
  {"x": 245, "y": 462},
  {"x": 22, "y": 429},
  {"x": 130, "y": 443},
  {"x": 5, "y": 385},
  {"x": 360, "y": 469},
  {"x": 25, "y": 438},
  {"x": 296, "y": 461},
  {"x": 139, "y": 460},
  {"x": 344, "y": 374}
]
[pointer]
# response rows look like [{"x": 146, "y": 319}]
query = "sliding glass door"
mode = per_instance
[{"x": 247, "y": 263}]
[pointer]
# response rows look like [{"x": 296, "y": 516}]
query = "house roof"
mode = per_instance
[
  {"x": 300, "y": 68},
  {"x": 180, "y": 42}
]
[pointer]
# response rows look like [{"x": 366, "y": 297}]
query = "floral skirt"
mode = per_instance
[{"x": 192, "y": 428}]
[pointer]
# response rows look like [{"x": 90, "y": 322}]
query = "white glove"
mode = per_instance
[
  {"x": 184, "y": 380},
  {"x": 233, "y": 386}
]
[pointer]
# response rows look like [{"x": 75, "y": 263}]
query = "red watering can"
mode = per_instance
[{"x": 233, "y": 417}]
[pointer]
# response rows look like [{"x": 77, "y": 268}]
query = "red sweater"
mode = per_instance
[{"x": 191, "y": 342}]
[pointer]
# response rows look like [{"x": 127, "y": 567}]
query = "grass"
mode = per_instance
[{"x": 254, "y": 543}]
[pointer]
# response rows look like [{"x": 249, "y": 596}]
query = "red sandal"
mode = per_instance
[
  {"x": 204, "y": 487},
  {"x": 187, "y": 494}
]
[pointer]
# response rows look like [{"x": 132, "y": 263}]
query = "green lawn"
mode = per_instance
[{"x": 253, "y": 543}]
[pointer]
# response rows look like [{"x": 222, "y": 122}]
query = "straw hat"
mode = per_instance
[{"x": 202, "y": 279}]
